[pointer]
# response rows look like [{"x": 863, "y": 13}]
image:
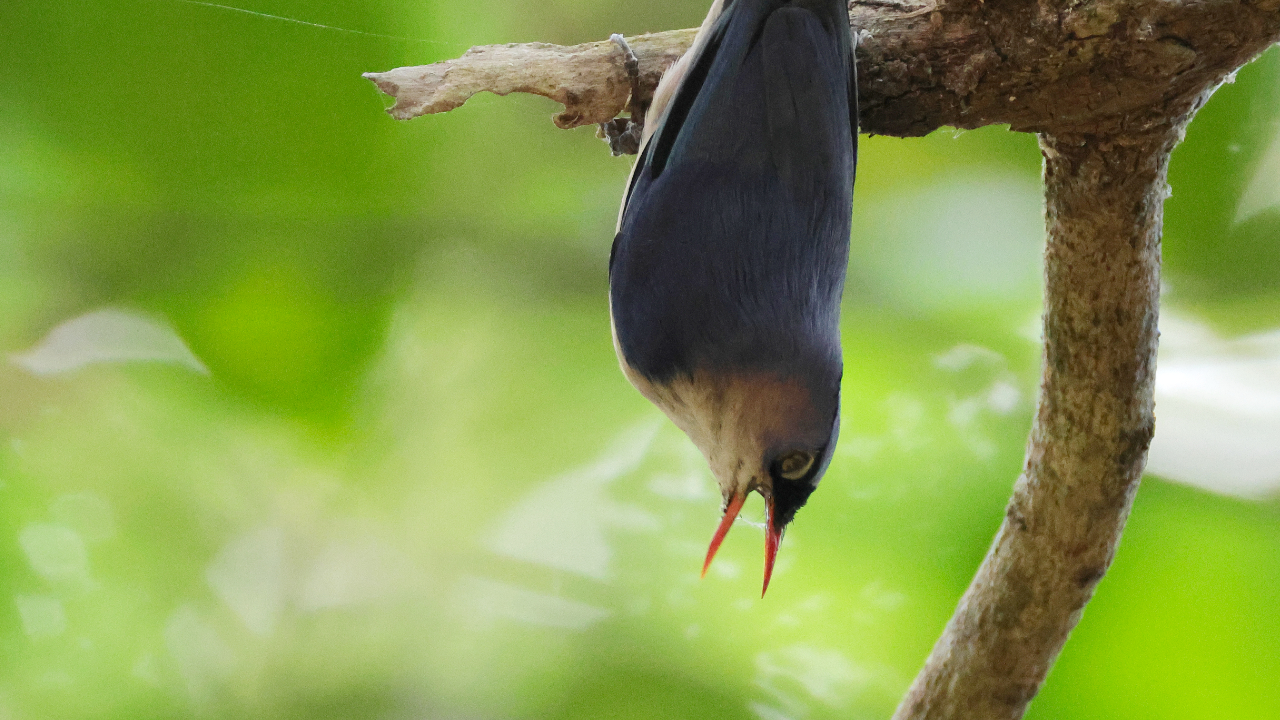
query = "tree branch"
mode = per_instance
[
  {"x": 1103, "y": 67},
  {"x": 1088, "y": 445},
  {"x": 1109, "y": 85},
  {"x": 590, "y": 80}
]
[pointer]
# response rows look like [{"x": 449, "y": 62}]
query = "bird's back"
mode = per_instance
[{"x": 733, "y": 239}]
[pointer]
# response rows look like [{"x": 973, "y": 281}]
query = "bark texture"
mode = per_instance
[
  {"x": 1088, "y": 445},
  {"x": 1109, "y": 85},
  {"x": 1101, "y": 67}
]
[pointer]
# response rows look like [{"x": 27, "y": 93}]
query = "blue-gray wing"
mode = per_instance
[{"x": 736, "y": 221}]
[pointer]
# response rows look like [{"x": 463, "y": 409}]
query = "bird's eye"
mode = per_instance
[{"x": 795, "y": 464}]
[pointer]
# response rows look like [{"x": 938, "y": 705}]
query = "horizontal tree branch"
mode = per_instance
[
  {"x": 1105, "y": 67},
  {"x": 590, "y": 80}
]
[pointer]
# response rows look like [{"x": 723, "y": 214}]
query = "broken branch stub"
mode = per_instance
[{"x": 590, "y": 80}]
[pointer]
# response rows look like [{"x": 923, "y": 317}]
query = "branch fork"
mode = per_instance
[{"x": 1109, "y": 86}]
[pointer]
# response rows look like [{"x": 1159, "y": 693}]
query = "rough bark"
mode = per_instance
[
  {"x": 1109, "y": 85},
  {"x": 1102, "y": 67},
  {"x": 1089, "y": 442}
]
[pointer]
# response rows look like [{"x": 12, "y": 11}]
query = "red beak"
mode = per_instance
[
  {"x": 772, "y": 537},
  {"x": 730, "y": 513}
]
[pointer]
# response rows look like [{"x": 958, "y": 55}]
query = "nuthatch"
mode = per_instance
[{"x": 729, "y": 262}]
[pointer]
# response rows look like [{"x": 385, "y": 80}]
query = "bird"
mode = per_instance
[{"x": 728, "y": 265}]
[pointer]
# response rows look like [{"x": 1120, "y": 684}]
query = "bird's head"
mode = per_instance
[{"x": 762, "y": 432}]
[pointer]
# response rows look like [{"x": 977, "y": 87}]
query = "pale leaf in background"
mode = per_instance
[
  {"x": 1217, "y": 410},
  {"x": 107, "y": 336}
]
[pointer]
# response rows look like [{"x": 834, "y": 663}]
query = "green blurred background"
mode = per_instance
[{"x": 405, "y": 479}]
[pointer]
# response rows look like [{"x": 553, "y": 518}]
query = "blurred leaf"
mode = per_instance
[
  {"x": 1218, "y": 410},
  {"x": 1263, "y": 191},
  {"x": 106, "y": 336},
  {"x": 1206, "y": 253}
]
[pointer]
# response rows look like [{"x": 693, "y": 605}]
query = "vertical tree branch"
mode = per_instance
[{"x": 1104, "y": 200}]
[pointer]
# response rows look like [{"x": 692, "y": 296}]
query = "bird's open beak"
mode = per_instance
[
  {"x": 730, "y": 514},
  {"x": 772, "y": 537}
]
